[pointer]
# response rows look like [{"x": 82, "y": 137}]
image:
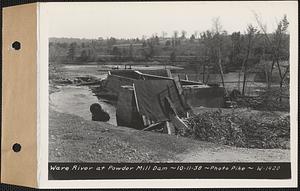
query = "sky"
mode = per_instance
[{"x": 138, "y": 19}]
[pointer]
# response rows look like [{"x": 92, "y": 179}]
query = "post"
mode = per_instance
[
  {"x": 186, "y": 77},
  {"x": 135, "y": 97}
]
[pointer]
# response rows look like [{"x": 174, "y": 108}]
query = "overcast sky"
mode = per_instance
[{"x": 131, "y": 20}]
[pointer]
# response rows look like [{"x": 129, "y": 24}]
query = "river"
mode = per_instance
[{"x": 76, "y": 100}]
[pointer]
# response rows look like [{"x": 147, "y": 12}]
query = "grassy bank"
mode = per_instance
[{"x": 73, "y": 139}]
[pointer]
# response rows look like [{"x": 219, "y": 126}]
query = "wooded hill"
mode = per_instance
[{"x": 212, "y": 51}]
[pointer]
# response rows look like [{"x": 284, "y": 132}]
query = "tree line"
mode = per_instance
[{"x": 214, "y": 51}]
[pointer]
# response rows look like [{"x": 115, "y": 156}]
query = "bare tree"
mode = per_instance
[
  {"x": 175, "y": 37},
  {"x": 217, "y": 26},
  {"x": 263, "y": 28},
  {"x": 196, "y": 34},
  {"x": 72, "y": 51},
  {"x": 183, "y": 34},
  {"x": 276, "y": 46},
  {"x": 281, "y": 30},
  {"x": 130, "y": 52},
  {"x": 175, "y": 34},
  {"x": 164, "y": 34},
  {"x": 217, "y": 30},
  {"x": 54, "y": 52},
  {"x": 251, "y": 33},
  {"x": 207, "y": 40}
]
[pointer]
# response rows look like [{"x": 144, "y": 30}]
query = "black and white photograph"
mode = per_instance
[{"x": 169, "y": 82}]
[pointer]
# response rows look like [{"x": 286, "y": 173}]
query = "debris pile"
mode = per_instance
[
  {"x": 262, "y": 103},
  {"x": 233, "y": 129},
  {"x": 267, "y": 133},
  {"x": 271, "y": 100}
]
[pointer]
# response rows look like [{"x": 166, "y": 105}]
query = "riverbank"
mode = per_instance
[{"x": 74, "y": 139}]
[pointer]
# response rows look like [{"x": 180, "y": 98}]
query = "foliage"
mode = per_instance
[
  {"x": 72, "y": 51},
  {"x": 192, "y": 38},
  {"x": 173, "y": 56}
]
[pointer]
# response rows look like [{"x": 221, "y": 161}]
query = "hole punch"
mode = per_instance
[
  {"x": 16, "y": 45},
  {"x": 16, "y": 147}
]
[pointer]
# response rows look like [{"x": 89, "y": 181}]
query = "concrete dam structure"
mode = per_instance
[
  {"x": 147, "y": 100},
  {"x": 196, "y": 93}
]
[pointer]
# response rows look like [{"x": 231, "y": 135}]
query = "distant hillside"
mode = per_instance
[{"x": 198, "y": 52}]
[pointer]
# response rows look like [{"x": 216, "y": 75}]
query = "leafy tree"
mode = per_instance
[
  {"x": 112, "y": 41},
  {"x": 84, "y": 55},
  {"x": 192, "y": 38},
  {"x": 130, "y": 52},
  {"x": 144, "y": 44},
  {"x": 148, "y": 51},
  {"x": 72, "y": 51},
  {"x": 156, "y": 40},
  {"x": 116, "y": 51},
  {"x": 173, "y": 56},
  {"x": 168, "y": 43},
  {"x": 54, "y": 52},
  {"x": 123, "y": 52},
  {"x": 235, "y": 55},
  {"x": 151, "y": 50}
]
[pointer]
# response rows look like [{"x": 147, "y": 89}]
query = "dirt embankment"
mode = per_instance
[{"x": 73, "y": 139}]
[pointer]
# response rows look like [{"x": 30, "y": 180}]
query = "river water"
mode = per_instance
[{"x": 76, "y": 100}]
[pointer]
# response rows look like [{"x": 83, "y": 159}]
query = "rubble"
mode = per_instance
[
  {"x": 269, "y": 100},
  {"x": 253, "y": 131}
]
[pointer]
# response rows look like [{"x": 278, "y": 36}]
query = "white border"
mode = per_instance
[{"x": 43, "y": 181}]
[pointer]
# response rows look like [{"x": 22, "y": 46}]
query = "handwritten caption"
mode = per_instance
[{"x": 160, "y": 168}]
